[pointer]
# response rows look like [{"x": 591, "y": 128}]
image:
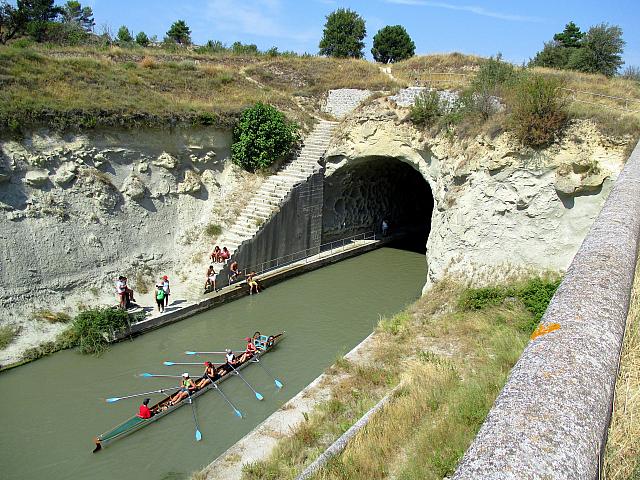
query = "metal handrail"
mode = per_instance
[{"x": 325, "y": 249}]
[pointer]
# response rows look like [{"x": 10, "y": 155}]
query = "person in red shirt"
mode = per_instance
[
  {"x": 144, "y": 409},
  {"x": 250, "y": 350}
]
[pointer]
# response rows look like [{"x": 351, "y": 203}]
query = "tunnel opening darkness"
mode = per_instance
[{"x": 358, "y": 197}]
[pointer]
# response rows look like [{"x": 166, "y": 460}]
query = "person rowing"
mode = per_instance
[
  {"x": 210, "y": 374},
  {"x": 232, "y": 361},
  {"x": 187, "y": 385},
  {"x": 249, "y": 352},
  {"x": 144, "y": 411}
]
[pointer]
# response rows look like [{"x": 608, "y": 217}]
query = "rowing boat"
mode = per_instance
[{"x": 162, "y": 408}]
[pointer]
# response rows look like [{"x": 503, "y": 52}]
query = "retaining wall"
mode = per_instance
[{"x": 551, "y": 419}]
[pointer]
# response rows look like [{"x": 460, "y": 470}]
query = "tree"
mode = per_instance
[
  {"x": 124, "y": 35},
  {"x": 570, "y": 37},
  {"x": 37, "y": 15},
  {"x": 11, "y": 22},
  {"x": 392, "y": 44},
  {"x": 73, "y": 12},
  {"x": 262, "y": 136},
  {"x": 343, "y": 35},
  {"x": 601, "y": 51},
  {"x": 553, "y": 56},
  {"x": 142, "y": 39},
  {"x": 180, "y": 33}
]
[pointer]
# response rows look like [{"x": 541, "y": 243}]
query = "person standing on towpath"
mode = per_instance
[
  {"x": 160, "y": 297},
  {"x": 167, "y": 291}
]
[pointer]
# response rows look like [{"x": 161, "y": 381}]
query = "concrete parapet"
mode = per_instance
[{"x": 550, "y": 421}]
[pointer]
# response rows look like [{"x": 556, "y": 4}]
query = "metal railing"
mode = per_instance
[{"x": 321, "y": 251}]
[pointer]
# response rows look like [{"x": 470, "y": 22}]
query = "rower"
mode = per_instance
[
  {"x": 250, "y": 350},
  {"x": 210, "y": 373},
  {"x": 231, "y": 360},
  {"x": 144, "y": 411},
  {"x": 186, "y": 386}
]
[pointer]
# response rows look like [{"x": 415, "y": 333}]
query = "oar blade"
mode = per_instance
[
  {"x": 147, "y": 374},
  {"x": 198, "y": 436},
  {"x": 191, "y": 353},
  {"x": 278, "y": 383},
  {"x": 168, "y": 364},
  {"x": 113, "y": 399},
  {"x": 238, "y": 413},
  {"x": 259, "y": 396}
]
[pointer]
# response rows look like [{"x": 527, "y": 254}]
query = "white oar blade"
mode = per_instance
[
  {"x": 259, "y": 396},
  {"x": 278, "y": 383},
  {"x": 113, "y": 399}
]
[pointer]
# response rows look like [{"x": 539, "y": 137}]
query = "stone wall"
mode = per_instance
[{"x": 551, "y": 418}]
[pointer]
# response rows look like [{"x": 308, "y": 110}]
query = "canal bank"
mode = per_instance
[{"x": 55, "y": 406}]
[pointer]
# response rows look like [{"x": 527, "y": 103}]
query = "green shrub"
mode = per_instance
[
  {"x": 212, "y": 230},
  {"x": 51, "y": 316},
  {"x": 426, "y": 109},
  {"x": 95, "y": 327},
  {"x": 8, "y": 333},
  {"x": 262, "y": 136},
  {"x": 538, "y": 109},
  {"x": 479, "y": 298},
  {"x": 534, "y": 293}
]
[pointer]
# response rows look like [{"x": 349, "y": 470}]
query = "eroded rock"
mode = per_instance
[
  {"x": 166, "y": 160},
  {"x": 36, "y": 178},
  {"x": 191, "y": 183},
  {"x": 134, "y": 187}
]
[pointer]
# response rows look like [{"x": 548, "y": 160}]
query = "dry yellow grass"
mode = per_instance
[{"x": 622, "y": 458}]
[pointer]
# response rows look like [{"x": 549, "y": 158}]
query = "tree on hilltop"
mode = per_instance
[
  {"x": 142, "y": 39},
  {"x": 180, "y": 33},
  {"x": 38, "y": 14},
  {"x": 74, "y": 13},
  {"x": 124, "y": 35},
  {"x": 392, "y": 44},
  {"x": 570, "y": 37},
  {"x": 601, "y": 51},
  {"x": 11, "y": 22},
  {"x": 343, "y": 35}
]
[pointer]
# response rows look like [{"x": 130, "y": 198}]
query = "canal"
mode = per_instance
[{"x": 51, "y": 409}]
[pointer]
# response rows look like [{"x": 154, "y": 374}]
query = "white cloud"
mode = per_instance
[
  {"x": 253, "y": 17},
  {"x": 475, "y": 9}
]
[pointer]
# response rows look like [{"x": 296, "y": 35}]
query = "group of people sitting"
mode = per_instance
[
  {"x": 125, "y": 294},
  {"x": 234, "y": 274},
  {"x": 212, "y": 372},
  {"x": 220, "y": 256}
]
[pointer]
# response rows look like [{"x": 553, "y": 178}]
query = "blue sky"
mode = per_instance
[{"x": 517, "y": 29}]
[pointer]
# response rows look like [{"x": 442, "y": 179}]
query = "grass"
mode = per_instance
[
  {"x": 8, "y": 334},
  {"x": 51, "y": 316},
  {"x": 212, "y": 230},
  {"x": 451, "y": 361},
  {"x": 90, "y": 87},
  {"x": 622, "y": 455}
]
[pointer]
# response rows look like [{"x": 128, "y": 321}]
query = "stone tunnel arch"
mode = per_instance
[{"x": 360, "y": 193}]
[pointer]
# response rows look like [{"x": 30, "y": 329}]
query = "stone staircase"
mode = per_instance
[{"x": 266, "y": 201}]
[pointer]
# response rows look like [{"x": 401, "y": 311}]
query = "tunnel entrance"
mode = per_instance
[{"x": 358, "y": 197}]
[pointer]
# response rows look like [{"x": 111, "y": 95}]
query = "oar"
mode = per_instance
[
  {"x": 204, "y": 353},
  {"x": 275, "y": 380},
  {"x": 193, "y": 410},
  {"x": 237, "y": 412},
  {"x": 116, "y": 399},
  {"x": 148, "y": 375},
  {"x": 258, "y": 395},
  {"x": 168, "y": 364}
]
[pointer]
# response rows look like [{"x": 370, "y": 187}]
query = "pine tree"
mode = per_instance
[
  {"x": 570, "y": 36},
  {"x": 124, "y": 35},
  {"x": 73, "y": 12},
  {"x": 180, "y": 32},
  {"x": 392, "y": 44}
]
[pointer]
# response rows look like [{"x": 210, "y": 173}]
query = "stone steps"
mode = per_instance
[{"x": 266, "y": 201}]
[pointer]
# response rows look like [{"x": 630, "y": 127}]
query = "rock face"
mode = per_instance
[
  {"x": 76, "y": 211},
  {"x": 498, "y": 206}
]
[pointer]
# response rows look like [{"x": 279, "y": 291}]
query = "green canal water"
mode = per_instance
[{"x": 51, "y": 409}]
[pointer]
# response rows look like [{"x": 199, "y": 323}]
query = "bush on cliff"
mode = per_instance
[
  {"x": 537, "y": 109},
  {"x": 94, "y": 328},
  {"x": 262, "y": 136}
]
